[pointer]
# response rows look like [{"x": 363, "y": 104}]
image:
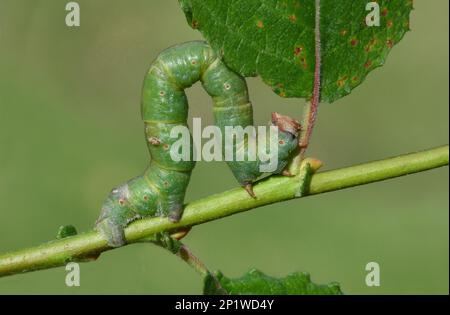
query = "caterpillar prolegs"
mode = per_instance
[{"x": 160, "y": 191}]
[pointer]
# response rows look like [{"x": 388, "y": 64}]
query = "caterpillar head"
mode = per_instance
[
  {"x": 286, "y": 124},
  {"x": 288, "y": 138},
  {"x": 114, "y": 216}
]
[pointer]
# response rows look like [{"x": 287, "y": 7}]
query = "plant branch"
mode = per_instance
[
  {"x": 186, "y": 255},
  {"x": 310, "y": 112},
  {"x": 173, "y": 244},
  {"x": 88, "y": 246}
]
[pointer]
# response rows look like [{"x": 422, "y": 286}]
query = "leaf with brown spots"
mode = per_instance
[
  {"x": 275, "y": 40},
  {"x": 256, "y": 282}
]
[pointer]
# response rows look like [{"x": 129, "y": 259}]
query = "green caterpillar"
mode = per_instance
[{"x": 161, "y": 189}]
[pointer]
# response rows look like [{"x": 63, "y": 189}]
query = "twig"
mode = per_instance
[
  {"x": 270, "y": 190},
  {"x": 310, "y": 113}
]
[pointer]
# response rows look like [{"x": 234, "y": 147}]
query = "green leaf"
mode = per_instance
[
  {"x": 275, "y": 40},
  {"x": 256, "y": 282}
]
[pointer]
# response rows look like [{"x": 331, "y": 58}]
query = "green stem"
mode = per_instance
[
  {"x": 310, "y": 113},
  {"x": 176, "y": 247},
  {"x": 270, "y": 190},
  {"x": 185, "y": 254}
]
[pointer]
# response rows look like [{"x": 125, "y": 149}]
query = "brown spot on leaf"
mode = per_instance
[
  {"x": 260, "y": 24},
  {"x": 166, "y": 146},
  {"x": 389, "y": 23},
  {"x": 384, "y": 12},
  {"x": 293, "y": 18},
  {"x": 390, "y": 43},
  {"x": 368, "y": 64},
  {"x": 304, "y": 63},
  {"x": 162, "y": 93},
  {"x": 343, "y": 32},
  {"x": 354, "y": 42},
  {"x": 298, "y": 50},
  {"x": 195, "y": 24},
  {"x": 341, "y": 82},
  {"x": 370, "y": 45}
]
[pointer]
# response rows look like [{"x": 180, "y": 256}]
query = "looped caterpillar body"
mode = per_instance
[{"x": 160, "y": 191}]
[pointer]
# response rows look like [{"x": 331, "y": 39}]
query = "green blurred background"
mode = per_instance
[{"x": 70, "y": 130}]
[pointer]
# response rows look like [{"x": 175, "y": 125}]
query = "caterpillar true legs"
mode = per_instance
[{"x": 161, "y": 189}]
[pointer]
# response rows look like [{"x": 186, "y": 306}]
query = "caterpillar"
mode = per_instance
[{"x": 161, "y": 189}]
